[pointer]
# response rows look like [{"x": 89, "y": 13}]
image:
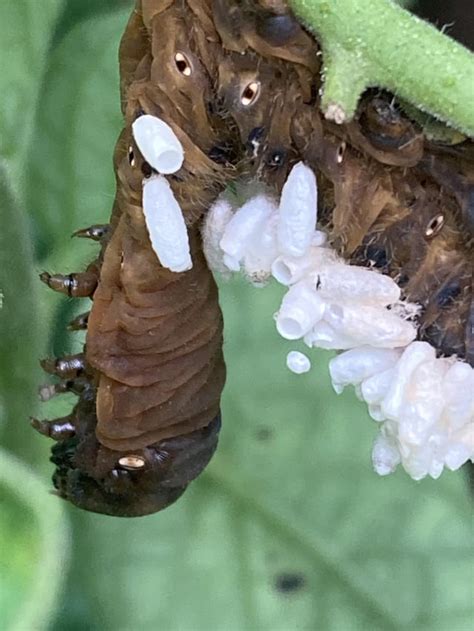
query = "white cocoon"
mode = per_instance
[
  {"x": 465, "y": 435},
  {"x": 288, "y": 270},
  {"x": 298, "y": 362},
  {"x": 355, "y": 365},
  {"x": 343, "y": 283},
  {"x": 375, "y": 413},
  {"x": 418, "y": 463},
  {"x": 457, "y": 454},
  {"x": 412, "y": 357},
  {"x": 261, "y": 252},
  {"x": 165, "y": 224},
  {"x": 158, "y": 144},
  {"x": 246, "y": 223},
  {"x": 300, "y": 309},
  {"x": 231, "y": 263},
  {"x": 322, "y": 335},
  {"x": 423, "y": 401},
  {"x": 458, "y": 388},
  {"x": 436, "y": 468},
  {"x": 376, "y": 387},
  {"x": 372, "y": 326},
  {"x": 385, "y": 456},
  {"x": 298, "y": 211},
  {"x": 215, "y": 223},
  {"x": 319, "y": 238}
]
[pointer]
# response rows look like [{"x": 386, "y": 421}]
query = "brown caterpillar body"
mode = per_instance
[{"x": 238, "y": 82}]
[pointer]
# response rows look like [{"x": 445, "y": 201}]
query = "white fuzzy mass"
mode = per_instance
[{"x": 424, "y": 405}]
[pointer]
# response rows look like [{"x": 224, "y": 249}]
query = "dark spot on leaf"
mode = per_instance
[
  {"x": 264, "y": 433},
  {"x": 290, "y": 582}
]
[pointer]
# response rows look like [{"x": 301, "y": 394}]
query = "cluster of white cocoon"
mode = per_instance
[
  {"x": 164, "y": 219},
  {"x": 424, "y": 404}
]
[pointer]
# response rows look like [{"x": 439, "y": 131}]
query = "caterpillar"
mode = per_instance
[{"x": 237, "y": 85}]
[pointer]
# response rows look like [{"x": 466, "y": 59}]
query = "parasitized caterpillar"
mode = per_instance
[{"x": 238, "y": 87}]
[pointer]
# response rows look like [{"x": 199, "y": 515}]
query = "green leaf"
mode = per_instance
[
  {"x": 76, "y": 11},
  {"x": 25, "y": 32},
  {"x": 65, "y": 189},
  {"x": 22, "y": 331},
  {"x": 34, "y": 544},
  {"x": 289, "y": 528}
]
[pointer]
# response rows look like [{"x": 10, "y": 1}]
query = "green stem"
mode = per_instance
[{"x": 376, "y": 43}]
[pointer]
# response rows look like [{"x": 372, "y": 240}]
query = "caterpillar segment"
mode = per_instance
[{"x": 239, "y": 85}]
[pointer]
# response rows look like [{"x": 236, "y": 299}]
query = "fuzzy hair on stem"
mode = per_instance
[{"x": 376, "y": 43}]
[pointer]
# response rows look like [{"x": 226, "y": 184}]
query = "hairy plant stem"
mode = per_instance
[{"x": 369, "y": 43}]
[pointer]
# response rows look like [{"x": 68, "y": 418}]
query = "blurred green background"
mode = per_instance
[{"x": 288, "y": 528}]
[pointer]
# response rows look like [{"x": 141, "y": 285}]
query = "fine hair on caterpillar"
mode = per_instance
[{"x": 217, "y": 93}]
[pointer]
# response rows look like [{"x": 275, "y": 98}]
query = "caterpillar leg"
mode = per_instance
[
  {"x": 79, "y": 323},
  {"x": 67, "y": 367},
  {"x": 77, "y": 386},
  {"x": 81, "y": 285},
  {"x": 57, "y": 429},
  {"x": 96, "y": 232}
]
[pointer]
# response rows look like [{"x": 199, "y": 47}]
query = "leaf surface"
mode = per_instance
[
  {"x": 25, "y": 34},
  {"x": 77, "y": 124},
  {"x": 33, "y": 546}
]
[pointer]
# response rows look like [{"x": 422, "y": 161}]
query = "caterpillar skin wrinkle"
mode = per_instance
[{"x": 238, "y": 83}]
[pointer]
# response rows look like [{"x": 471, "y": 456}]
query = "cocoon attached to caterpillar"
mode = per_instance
[
  {"x": 158, "y": 144},
  {"x": 409, "y": 391},
  {"x": 298, "y": 211},
  {"x": 165, "y": 224}
]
